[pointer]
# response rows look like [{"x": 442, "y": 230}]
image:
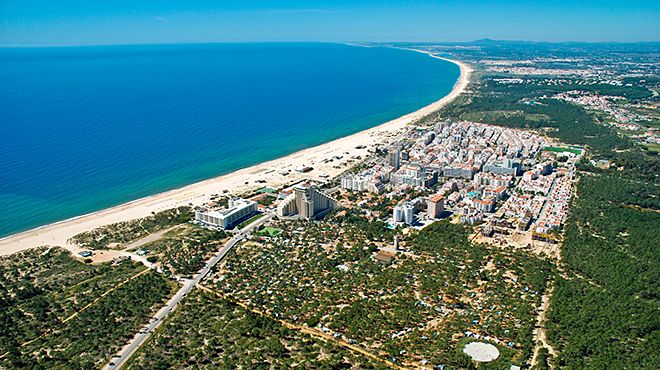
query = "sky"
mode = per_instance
[{"x": 85, "y": 22}]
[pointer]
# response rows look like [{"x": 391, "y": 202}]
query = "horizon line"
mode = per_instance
[{"x": 325, "y": 42}]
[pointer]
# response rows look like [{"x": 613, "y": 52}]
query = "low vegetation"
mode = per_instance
[
  {"x": 208, "y": 332},
  {"x": 123, "y": 232},
  {"x": 184, "y": 250},
  {"x": 416, "y": 310},
  {"x": 58, "y": 312}
]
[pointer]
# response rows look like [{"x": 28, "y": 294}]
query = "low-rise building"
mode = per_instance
[
  {"x": 385, "y": 258},
  {"x": 497, "y": 192},
  {"x": 362, "y": 183},
  {"x": 238, "y": 210},
  {"x": 484, "y": 205}
]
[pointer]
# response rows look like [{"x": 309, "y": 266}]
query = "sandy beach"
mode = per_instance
[{"x": 238, "y": 182}]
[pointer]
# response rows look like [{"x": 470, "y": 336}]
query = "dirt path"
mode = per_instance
[
  {"x": 82, "y": 309},
  {"x": 147, "y": 239},
  {"x": 540, "y": 334},
  {"x": 105, "y": 294}
]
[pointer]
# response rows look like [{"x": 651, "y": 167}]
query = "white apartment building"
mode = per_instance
[{"x": 306, "y": 201}]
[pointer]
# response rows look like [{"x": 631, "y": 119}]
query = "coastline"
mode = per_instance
[{"x": 237, "y": 182}]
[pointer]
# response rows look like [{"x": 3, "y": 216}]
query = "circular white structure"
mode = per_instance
[{"x": 481, "y": 352}]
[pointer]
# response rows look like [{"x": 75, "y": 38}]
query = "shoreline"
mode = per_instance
[{"x": 237, "y": 182}]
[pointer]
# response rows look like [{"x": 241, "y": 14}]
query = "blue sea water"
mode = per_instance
[{"x": 85, "y": 128}]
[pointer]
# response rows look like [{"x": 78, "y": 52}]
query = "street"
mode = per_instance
[{"x": 141, "y": 337}]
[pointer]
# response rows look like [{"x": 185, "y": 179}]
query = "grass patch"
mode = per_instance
[
  {"x": 270, "y": 231},
  {"x": 559, "y": 149},
  {"x": 653, "y": 147}
]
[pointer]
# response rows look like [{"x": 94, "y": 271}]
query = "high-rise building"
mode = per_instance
[
  {"x": 307, "y": 202},
  {"x": 545, "y": 168},
  {"x": 414, "y": 175},
  {"x": 404, "y": 212},
  {"x": 435, "y": 206},
  {"x": 506, "y": 166},
  {"x": 428, "y": 137},
  {"x": 394, "y": 157},
  {"x": 355, "y": 182},
  {"x": 397, "y": 214},
  {"x": 409, "y": 214}
]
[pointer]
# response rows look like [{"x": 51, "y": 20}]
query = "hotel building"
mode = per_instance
[
  {"x": 237, "y": 211},
  {"x": 307, "y": 202}
]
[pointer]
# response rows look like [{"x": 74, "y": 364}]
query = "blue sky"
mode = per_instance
[{"x": 69, "y": 22}]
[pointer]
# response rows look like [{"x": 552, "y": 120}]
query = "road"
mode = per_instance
[{"x": 141, "y": 337}]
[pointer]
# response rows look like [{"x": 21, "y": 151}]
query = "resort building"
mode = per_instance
[
  {"x": 307, "y": 202},
  {"x": 237, "y": 211}
]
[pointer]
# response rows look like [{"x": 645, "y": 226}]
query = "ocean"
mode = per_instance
[{"x": 86, "y": 128}]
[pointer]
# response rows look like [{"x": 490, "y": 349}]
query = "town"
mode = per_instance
[
  {"x": 514, "y": 185},
  {"x": 507, "y": 230},
  {"x": 510, "y": 182}
]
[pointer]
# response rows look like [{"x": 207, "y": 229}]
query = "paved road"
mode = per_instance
[{"x": 120, "y": 359}]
